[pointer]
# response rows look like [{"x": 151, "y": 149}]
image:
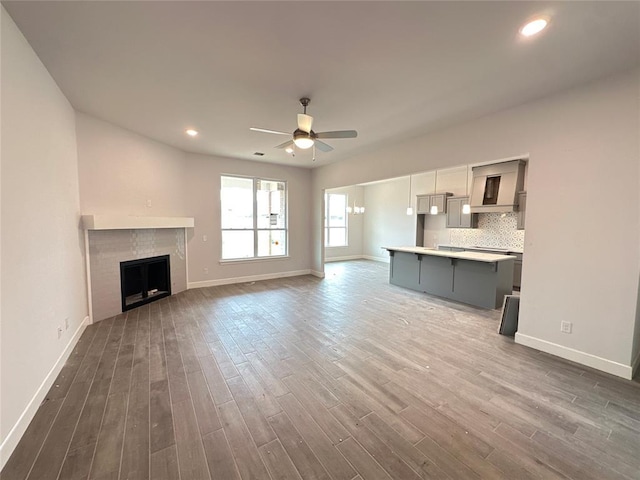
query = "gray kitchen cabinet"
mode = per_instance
[
  {"x": 522, "y": 208},
  {"x": 517, "y": 271},
  {"x": 436, "y": 275},
  {"x": 453, "y": 275},
  {"x": 404, "y": 270},
  {"x": 482, "y": 284},
  {"x": 425, "y": 202},
  {"x": 455, "y": 217},
  {"x": 517, "y": 265},
  {"x": 439, "y": 200}
]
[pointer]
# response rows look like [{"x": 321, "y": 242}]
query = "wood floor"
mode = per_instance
[{"x": 342, "y": 378}]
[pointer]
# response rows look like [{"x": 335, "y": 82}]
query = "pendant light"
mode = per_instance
[
  {"x": 409, "y": 208},
  {"x": 355, "y": 209},
  {"x": 434, "y": 208},
  {"x": 466, "y": 208}
]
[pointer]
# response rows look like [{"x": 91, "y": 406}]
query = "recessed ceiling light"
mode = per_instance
[
  {"x": 191, "y": 132},
  {"x": 534, "y": 26}
]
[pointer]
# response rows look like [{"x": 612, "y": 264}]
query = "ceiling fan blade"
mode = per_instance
[
  {"x": 264, "y": 130},
  {"x": 286, "y": 144},
  {"x": 338, "y": 134},
  {"x": 323, "y": 147},
  {"x": 304, "y": 122}
]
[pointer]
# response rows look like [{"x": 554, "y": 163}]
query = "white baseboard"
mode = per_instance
[
  {"x": 599, "y": 363},
  {"x": 249, "y": 278},
  {"x": 343, "y": 259},
  {"x": 377, "y": 259},
  {"x": 15, "y": 434},
  {"x": 318, "y": 274}
]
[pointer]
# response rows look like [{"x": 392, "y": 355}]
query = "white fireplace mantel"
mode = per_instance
[{"x": 122, "y": 222}]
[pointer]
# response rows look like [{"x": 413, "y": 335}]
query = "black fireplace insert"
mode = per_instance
[{"x": 145, "y": 280}]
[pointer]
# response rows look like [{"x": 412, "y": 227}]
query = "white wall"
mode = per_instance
[
  {"x": 203, "y": 202},
  {"x": 121, "y": 172},
  {"x": 386, "y": 222},
  {"x": 355, "y": 225},
  {"x": 583, "y": 145},
  {"x": 42, "y": 275}
]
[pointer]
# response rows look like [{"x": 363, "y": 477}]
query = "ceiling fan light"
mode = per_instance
[
  {"x": 534, "y": 26},
  {"x": 302, "y": 139},
  {"x": 303, "y": 143}
]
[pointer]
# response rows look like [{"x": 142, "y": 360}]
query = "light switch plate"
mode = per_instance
[{"x": 565, "y": 327}]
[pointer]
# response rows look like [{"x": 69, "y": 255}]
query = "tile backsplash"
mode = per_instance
[{"x": 494, "y": 230}]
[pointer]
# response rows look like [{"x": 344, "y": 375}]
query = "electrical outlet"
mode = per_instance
[
  {"x": 59, "y": 332},
  {"x": 66, "y": 323},
  {"x": 205, "y": 269},
  {"x": 149, "y": 203},
  {"x": 565, "y": 327},
  {"x": 204, "y": 238}
]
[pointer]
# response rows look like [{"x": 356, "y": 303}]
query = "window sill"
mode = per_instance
[
  {"x": 336, "y": 246},
  {"x": 253, "y": 260}
]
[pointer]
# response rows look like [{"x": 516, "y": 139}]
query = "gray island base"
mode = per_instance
[{"x": 479, "y": 279}]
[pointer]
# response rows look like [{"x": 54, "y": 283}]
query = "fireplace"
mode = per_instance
[
  {"x": 113, "y": 239},
  {"x": 144, "y": 280}
]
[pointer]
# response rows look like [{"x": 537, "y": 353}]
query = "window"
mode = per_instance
[
  {"x": 335, "y": 220},
  {"x": 253, "y": 214}
]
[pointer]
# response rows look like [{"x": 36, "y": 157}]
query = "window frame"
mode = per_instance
[
  {"x": 327, "y": 228},
  {"x": 255, "y": 229}
]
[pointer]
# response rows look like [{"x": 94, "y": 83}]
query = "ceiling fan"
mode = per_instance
[{"x": 304, "y": 137}]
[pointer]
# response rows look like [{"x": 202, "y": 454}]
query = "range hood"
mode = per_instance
[{"x": 495, "y": 187}]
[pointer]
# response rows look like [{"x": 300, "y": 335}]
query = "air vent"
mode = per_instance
[{"x": 259, "y": 154}]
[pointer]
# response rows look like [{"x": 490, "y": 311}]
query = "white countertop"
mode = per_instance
[
  {"x": 474, "y": 256},
  {"x": 478, "y": 247}
]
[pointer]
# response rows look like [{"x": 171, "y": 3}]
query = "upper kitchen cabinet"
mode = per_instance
[
  {"x": 455, "y": 217},
  {"x": 439, "y": 200},
  {"x": 424, "y": 203},
  {"x": 495, "y": 187},
  {"x": 522, "y": 207}
]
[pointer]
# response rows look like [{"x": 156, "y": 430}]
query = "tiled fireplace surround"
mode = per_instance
[{"x": 107, "y": 248}]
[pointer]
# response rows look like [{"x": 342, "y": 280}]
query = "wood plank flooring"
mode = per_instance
[{"x": 343, "y": 378}]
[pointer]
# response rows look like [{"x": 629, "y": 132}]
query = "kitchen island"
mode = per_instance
[{"x": 480, "y": 279}]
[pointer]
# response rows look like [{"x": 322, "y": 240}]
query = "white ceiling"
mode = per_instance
[{"x": 390, "y": 70}]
